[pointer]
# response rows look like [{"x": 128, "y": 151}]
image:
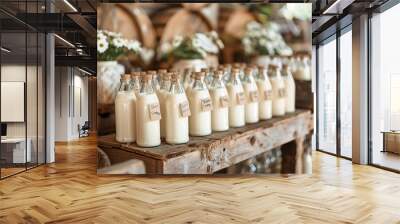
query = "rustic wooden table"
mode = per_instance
[{"x": 206, "y": 155}]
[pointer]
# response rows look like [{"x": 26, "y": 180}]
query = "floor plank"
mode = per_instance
[{"x": 69, "y": 191}]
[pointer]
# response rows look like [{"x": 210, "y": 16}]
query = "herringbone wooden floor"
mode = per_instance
[{"x": 71, "y": 192}]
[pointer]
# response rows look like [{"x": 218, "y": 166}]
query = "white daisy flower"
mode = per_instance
[
  {"x": 133, "y": 45},
  {"x": 253, "y": 25},
  {"x": 165, "y": 47},
  {"x": 118, "y": 42},
  {"x": 220, "y": 44},
  {"x": 246, "y": 41},
  {"x": 248, "y": 49},
  {"x": 102, "y": 46},
  {"x": 206, "y": 43},
  {"x": 196, "y": 43},
  {"x": 263, "y": 41},
  {"x": 177, "y": 41}
]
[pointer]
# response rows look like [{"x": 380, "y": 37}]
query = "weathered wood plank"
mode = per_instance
[
  {"x": 166, "y": 151},
  {"x": 209, "y": 154}
]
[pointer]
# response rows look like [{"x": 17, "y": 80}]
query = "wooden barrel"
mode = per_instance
[
  {"x": 235, "y": 25},
  {"x": 129, "y": 20},
  {"x": 185, "y": 23}
]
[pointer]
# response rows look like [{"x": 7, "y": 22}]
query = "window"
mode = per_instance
[
  {"x": 385, "y": 88},
  {"x": 346, "y": 93},
  {"x": 327, "y": 96},
  {"x": 22, "y": 77}
]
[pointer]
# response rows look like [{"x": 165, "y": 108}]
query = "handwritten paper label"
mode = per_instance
[
  {"x": 184, "y": 108},
  {"x": 281, "y": 93},
  {"x": 240, "y": 98},
  {"x": 224, "y": 101},
  {"x": 253, "y": 96},
  {"x": 268, "y": 95},
  {"x": 206, "y": 105},
  {"x": 154, "y": 112}
]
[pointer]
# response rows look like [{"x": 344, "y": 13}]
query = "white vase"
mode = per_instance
[
  {"x": 194, "y": 64},
  {"x": 108, "y": 80},
  {"x": 262, "y": 60}
]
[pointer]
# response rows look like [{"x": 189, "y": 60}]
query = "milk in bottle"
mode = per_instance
[
  {"x": 161, "y": 94},
  {"x": 278, "y": 91},
  {"x": 148, "y": 115},
  {"x": 125, "y": 112},
  {"x": 290, "y": 89},
  {"x": 220, "y": 102},
  {"x": 177, "y": 113},
  {"x": 251, "y": 93},
  {"x": 200, "y": 106},
  {"x": 264, "y": 93},
  {"x": 237, "y": 100}
]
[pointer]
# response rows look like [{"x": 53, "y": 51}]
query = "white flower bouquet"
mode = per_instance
[
  {"x": 292, "y": 11},
  {"x": 111, "y": 45},
  {"x": 264, "y": 40},
  {"x": 197, "y": 46}
]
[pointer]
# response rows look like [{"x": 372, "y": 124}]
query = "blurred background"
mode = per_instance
[{"x": 155, "y": 24}]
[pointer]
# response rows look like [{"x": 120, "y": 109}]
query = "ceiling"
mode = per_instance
[
  {"x": 74, "y": 21},
  {"x": 330, "y": 15}
]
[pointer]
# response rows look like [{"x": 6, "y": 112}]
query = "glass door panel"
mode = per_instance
[
  {"x": 32, "y": 98},
  {"x": 327, "y": 97},
  {"x": 14, "y": 153},
  {"x": 41, "y": 79},
  {"x": 346, "y": 94},
  {"x": 385, "y": 89}
]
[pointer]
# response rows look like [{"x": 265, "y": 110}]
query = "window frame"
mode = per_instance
[{"x": 334, "y": 37}]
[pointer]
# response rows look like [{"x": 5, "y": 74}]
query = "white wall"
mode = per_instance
[{"x": 71, "y": 87}]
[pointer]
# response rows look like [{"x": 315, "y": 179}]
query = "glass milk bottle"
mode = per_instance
[
  {"x": 190, "y": 84},
  {"x": 135, "y": 82},
  {"x": 200, "y": 106},
  {"x": 154, "y": 81},
  {"x": 205, "y": 71},
  {"x": 161, "y": 72},
  {"x": 227, "y": 69},
  {"x": 236, "y": 100},
  {"x": 305, "y": 72},
  {"x": 161, "y": 94},
  {"x": 125, "y": 112},
  {"x": 187, "y": 78},
  {"x": 290, "y": 89},
  {"x": 220, "y": 102},
  {"x": 298, "y": 68},
  {"x": 148, "y": 115},
  {"x": 265, "y": 94},
  {"x": 293, "y": 65},
  {"x": 278, "y": 91},
  {"x": 177, "y": 113},
  {"x": 251, "y": 93}
]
